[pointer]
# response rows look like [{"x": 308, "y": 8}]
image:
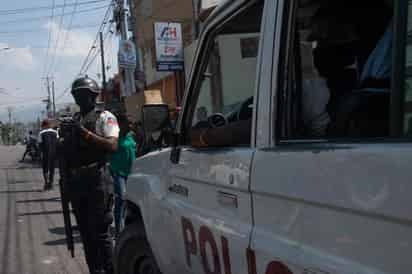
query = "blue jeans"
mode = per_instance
[{"x": 119, "y": 204}]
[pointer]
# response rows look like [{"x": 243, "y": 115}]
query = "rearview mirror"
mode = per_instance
[{"x": 155, "y": 118}]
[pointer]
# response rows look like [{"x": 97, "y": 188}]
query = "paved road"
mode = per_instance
[{"x": 32, "y": 237}]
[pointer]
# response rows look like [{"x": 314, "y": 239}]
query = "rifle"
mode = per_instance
[{"x": 67, "y": 131}]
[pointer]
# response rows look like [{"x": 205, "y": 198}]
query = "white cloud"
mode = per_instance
[
  {"x": 16, "y": 58},
  {"x": 77, "y": 42}
]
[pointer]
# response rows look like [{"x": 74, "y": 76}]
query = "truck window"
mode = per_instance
[
  {"x": 223, "y": 106},
  {"x": 339, "y": 70}
]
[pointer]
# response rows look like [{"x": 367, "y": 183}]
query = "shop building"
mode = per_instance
[{"x": 144, "y": 14}]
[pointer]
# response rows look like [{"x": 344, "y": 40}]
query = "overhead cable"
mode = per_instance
[
  {"x": 92, "y": 47},
  {"x": 49, "y": 42},
  {"x": 86, "y": 69},
  {"x": 40, "y": 18},
  {"x": 46, "y": 8},
  {"x": 67, "y": 34},
  {"x": 42, "y": 30},
  {"x": 59, "y": 30}
]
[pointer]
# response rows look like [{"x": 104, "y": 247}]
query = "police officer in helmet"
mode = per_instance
[{"x": 90, "y": 185}]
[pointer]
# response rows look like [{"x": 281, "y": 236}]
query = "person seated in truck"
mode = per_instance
[
  {"x": 232, "y": 134},
  {"x": 315, "y": 94},
  {"x": 377, "y": 71},
  {"x": 224, "y": 128},
  {"x": 364, "y": 111},
  {"x": 345, "y": 41},
  {"x": 352, "y": 53}
]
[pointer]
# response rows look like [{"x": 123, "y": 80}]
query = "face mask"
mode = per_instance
[{"x": 84, "y": 100}]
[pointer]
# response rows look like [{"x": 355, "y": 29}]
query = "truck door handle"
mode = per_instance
[
  {"x": 227, "y": 199},
  {"x": 179, "y": 189}
]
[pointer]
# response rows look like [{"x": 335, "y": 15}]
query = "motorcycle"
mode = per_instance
[{"x": 34, "y": 153}]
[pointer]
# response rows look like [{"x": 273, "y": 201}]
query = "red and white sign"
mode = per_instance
[{"x": 169, "y": 46}]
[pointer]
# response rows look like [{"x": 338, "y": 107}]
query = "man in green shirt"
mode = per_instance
[{"x": 120, "y": 166}]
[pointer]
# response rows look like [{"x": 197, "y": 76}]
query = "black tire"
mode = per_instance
[{"x": 133, "y": 254}]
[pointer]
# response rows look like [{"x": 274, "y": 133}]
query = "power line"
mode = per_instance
[
  {"x": 49, "y": 41},
  {"x": 57, "y": 39},
  {"x": 67, "y": 34},
  {"x": 31, "y": 19},
  {"x": 62, "y": 94},
  {"x": 45, "y": 8},
  {"x": 97, "y": 52},
  {"x": 42, "y": 30},
  {"x": 92, "y": 48}
]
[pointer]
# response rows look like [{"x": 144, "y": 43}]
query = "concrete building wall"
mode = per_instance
[{"x": 146, "y": 13}]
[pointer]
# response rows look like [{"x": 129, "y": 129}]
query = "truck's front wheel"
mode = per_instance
[{"x": 133, "y": 254}]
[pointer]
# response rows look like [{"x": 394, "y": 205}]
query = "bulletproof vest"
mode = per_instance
[{"x": 87, "y": 152}]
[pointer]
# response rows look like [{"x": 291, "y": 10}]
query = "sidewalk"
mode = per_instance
[{"x": 31, "y": 223}]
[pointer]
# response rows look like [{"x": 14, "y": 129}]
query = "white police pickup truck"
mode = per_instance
[{"x": 322, "y": 181}]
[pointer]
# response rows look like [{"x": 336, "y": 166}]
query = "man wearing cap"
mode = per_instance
[{"x": 89, "y": 181}]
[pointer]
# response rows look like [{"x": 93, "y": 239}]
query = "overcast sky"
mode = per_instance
[{"x": 27, "y": 34}]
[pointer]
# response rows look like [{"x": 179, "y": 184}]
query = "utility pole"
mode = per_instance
[
  {"x": 129, "y": 83},
  {"x": 54, "y": 100},
  {"x": 48, "y": 98},
  {"x": 104, "y": 84},
  {"x": 10, "y": 127},
  {"x": 10, "y": 110},
  {"x": 139, "y": 68},
  {"x": 48, "y": 105}
]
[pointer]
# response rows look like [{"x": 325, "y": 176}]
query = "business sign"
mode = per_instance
[
  {"x": 169, "y": 46},
  {"x": 127, "y": 54}
]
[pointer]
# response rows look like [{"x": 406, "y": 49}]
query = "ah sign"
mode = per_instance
[
  {"x": 169, "y": 33},
  {"x": 169, "y": 46}
]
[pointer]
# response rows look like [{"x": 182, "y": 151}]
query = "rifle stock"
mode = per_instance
[
  {"x": 66, "y": 217},
  {"x": 66, "y": 130}
]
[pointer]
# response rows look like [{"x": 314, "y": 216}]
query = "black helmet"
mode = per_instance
[{"x": 86, "y": 83}]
